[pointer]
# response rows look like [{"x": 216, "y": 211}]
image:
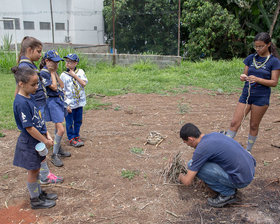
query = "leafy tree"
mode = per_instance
[
  {"x": 213, "y": 31},
  {"x": 143, "y": 26}
]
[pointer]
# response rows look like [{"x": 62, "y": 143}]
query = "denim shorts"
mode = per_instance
[{"x": 255, "y": 100}]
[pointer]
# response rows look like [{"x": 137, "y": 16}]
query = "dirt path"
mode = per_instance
[{"x": 94, "y": 190}]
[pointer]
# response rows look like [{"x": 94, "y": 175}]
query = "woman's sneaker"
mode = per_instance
[
  {"x": 80, "y": 141},
  {"x": 52, "y": 179},
  {"x": 75, "y": 143}
]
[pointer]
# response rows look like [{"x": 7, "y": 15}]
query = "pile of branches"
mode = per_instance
[{"x": 174, "y": 167}]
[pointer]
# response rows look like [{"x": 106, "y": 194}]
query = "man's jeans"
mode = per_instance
[{"x": 217, "y": 179}]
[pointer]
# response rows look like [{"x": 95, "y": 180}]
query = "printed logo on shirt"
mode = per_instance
[
  {"x": 37, "y": 119},
  {"x": 23, "y": 116}
]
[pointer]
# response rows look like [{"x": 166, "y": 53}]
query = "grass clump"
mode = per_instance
[
  {"x": 129, "y": 174},
  {"x": 136, "y": 150}
]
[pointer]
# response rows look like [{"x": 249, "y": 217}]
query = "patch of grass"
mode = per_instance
[
  {"x": 136, "y": 150},
  {"x": 2, "y": 135},
  {"x": 183, "y": 107},
  {"x": 129, "y": 174},
  {"x": 117, "y": 108},
  {"x": 5, "y": 176}
]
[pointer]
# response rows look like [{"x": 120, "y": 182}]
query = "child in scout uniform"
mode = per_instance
[
  {"x": 33, "y": 130},
  {"x": 31, "y": 51},
  {"x": 55, "y": 110},
  {"x": 74, "y": 80}
]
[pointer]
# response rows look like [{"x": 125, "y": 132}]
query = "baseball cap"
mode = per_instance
[
  {"x": 52, "y": 55},
  {"x": 72, "y": 57}
]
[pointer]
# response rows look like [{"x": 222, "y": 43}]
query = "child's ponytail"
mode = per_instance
[{"x": 26, "y": 43}]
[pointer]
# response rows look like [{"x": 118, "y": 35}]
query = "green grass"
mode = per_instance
[{"x": 143, "y": 77}]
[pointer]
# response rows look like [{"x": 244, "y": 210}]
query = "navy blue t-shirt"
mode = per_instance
[
  {"x": 27, "y": 115},
  {"x": 40, "y": 95},
  {"x": 228, "y": 154},
  {"x": 47, "y": 80},
  {"x": 264, "y": 72}
]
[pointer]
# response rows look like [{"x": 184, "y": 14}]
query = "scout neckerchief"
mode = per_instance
[
  {"x": 259, "y": 64},
  {"x": 36, "y": 70},
  {"x": 76, "y": 91},
  {"x": 58, "y": 86}
]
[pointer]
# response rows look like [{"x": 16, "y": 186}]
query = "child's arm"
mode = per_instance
[
  {"x": 82, "y": 82},
  {"x": 37, "y": 135}
]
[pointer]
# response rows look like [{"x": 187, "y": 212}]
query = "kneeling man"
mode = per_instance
[{"x": 221, "y": 162}]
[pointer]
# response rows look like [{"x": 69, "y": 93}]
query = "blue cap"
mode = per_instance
[
  {"x": 72, "y": 57},
  {"x": 52, "y": 55}
]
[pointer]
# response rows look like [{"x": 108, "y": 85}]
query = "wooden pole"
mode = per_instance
[
  {"x": 113, "y": 13},
  {"x": 179, "y": 15}
]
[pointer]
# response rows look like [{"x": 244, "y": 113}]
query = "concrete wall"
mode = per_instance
[
  {"x": 128, "y": 59},
  {"x": 82, "y": 19}
]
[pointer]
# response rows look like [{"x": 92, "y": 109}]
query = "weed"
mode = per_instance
[
  {"x": 117, "y": 108},
  {"x": 7, "y": 41},
  {"x": 183, "y": 107},
  {"x": 129, "y": 174},
  {"x": 5, "y": 176},
  {"x": 2, "y": 135},
  {"x": 136, "y": 150}
]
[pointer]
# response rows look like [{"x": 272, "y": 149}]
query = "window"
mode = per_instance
[
  {"x": 8, "y": 25},
  {"x": 28, "y": 25},
  {"x": 59, "y": 26},
  {"x": 95, "y": 27},
  {"x": 45, "y": 26}
]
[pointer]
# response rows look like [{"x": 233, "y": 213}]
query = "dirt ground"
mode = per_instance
[{"x": 95, "y": 191}]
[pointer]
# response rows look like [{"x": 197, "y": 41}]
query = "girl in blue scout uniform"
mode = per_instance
[
  {"x": 55, "y": 110},
  {"x": 30, "y": 51},
  {"x": 33, "y": 130},
  {"x": 261, "y": 72},
  {"x": 74, "y": 80}
]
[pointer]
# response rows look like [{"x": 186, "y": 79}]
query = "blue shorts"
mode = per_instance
[
  {"x": 26, "y": 155},
  {"x": 55, "y": 110},
  {"x": 255, "y": 100}
]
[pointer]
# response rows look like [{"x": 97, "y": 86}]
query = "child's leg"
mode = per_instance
[
  {"x": 57, "y": 139},
  {"x": 46, "y": 177},
  {"x": 78, "y": 119},
  {"x": 69, "y": 125},
  {"x": 37, "y": 201}
]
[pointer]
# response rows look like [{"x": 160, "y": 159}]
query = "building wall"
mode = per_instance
[{"x": 82, "y": 19}]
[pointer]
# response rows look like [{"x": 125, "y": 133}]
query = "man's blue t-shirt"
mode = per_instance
[
  {"x": 40, "y": 95},
  {"x": 27, "y": 115},
  {"x": 228, "y": 154},
  {"x": 263, "y": 72}
]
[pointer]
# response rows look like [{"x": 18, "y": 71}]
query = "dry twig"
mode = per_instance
[
  {"x": 273, "y": 181},
  {"x": 171, "y": 213},
  {"x": 172, "y": 170}
]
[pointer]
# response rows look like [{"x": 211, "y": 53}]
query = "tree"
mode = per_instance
[
  {"x": 213, "y": 31},
  {"x": 143, "y": 26}
]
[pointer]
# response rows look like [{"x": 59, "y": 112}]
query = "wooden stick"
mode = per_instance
[
  {"x": 159, "y": 142},
  {"x": 246, "y": 205},
  {"x": 171, "y": 213},
  {"x": 276, "y": 146},
  {"x": 271, "y": 182}
]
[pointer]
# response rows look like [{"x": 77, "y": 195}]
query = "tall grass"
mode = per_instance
[{"x": 142, "y": 77}]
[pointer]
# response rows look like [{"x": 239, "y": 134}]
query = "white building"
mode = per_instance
[{"x": 75, "y": 21}]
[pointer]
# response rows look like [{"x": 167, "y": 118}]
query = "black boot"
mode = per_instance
[
  {"x": 38, "y": 202},
  {"x": 51, "y": 196},
  {"x": 63, "y": 153},
  {"x": 56, "y": 160},
  {"x": 221, "y": 200}
]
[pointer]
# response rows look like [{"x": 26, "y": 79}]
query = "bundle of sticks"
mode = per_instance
[{"x": 174, "y": 167}]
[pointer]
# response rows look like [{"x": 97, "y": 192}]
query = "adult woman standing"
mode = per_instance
[{"x": 261, "y": 72}]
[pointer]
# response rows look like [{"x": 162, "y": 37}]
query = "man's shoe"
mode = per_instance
[
  {"x": 52, "y": 179},
  {"x": 221, "y": 200},
  {"x": 56, "y": 160},
  {"x": 63, "y": 153},
  {"x": 75, "y": 143},
  {"x": 51, "y": 196},
  {"x": 38, "y": 202},
  {"x": 80, "y": 141}
]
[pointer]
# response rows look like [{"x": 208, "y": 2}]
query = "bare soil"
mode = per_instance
[{"x": 95, "y": 191}]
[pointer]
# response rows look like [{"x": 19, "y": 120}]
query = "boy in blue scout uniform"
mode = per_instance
[
  {"x": 55, "y": 110},
  {"x": 74, "y": 80},
  {"x": 221, "y": 162}
]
